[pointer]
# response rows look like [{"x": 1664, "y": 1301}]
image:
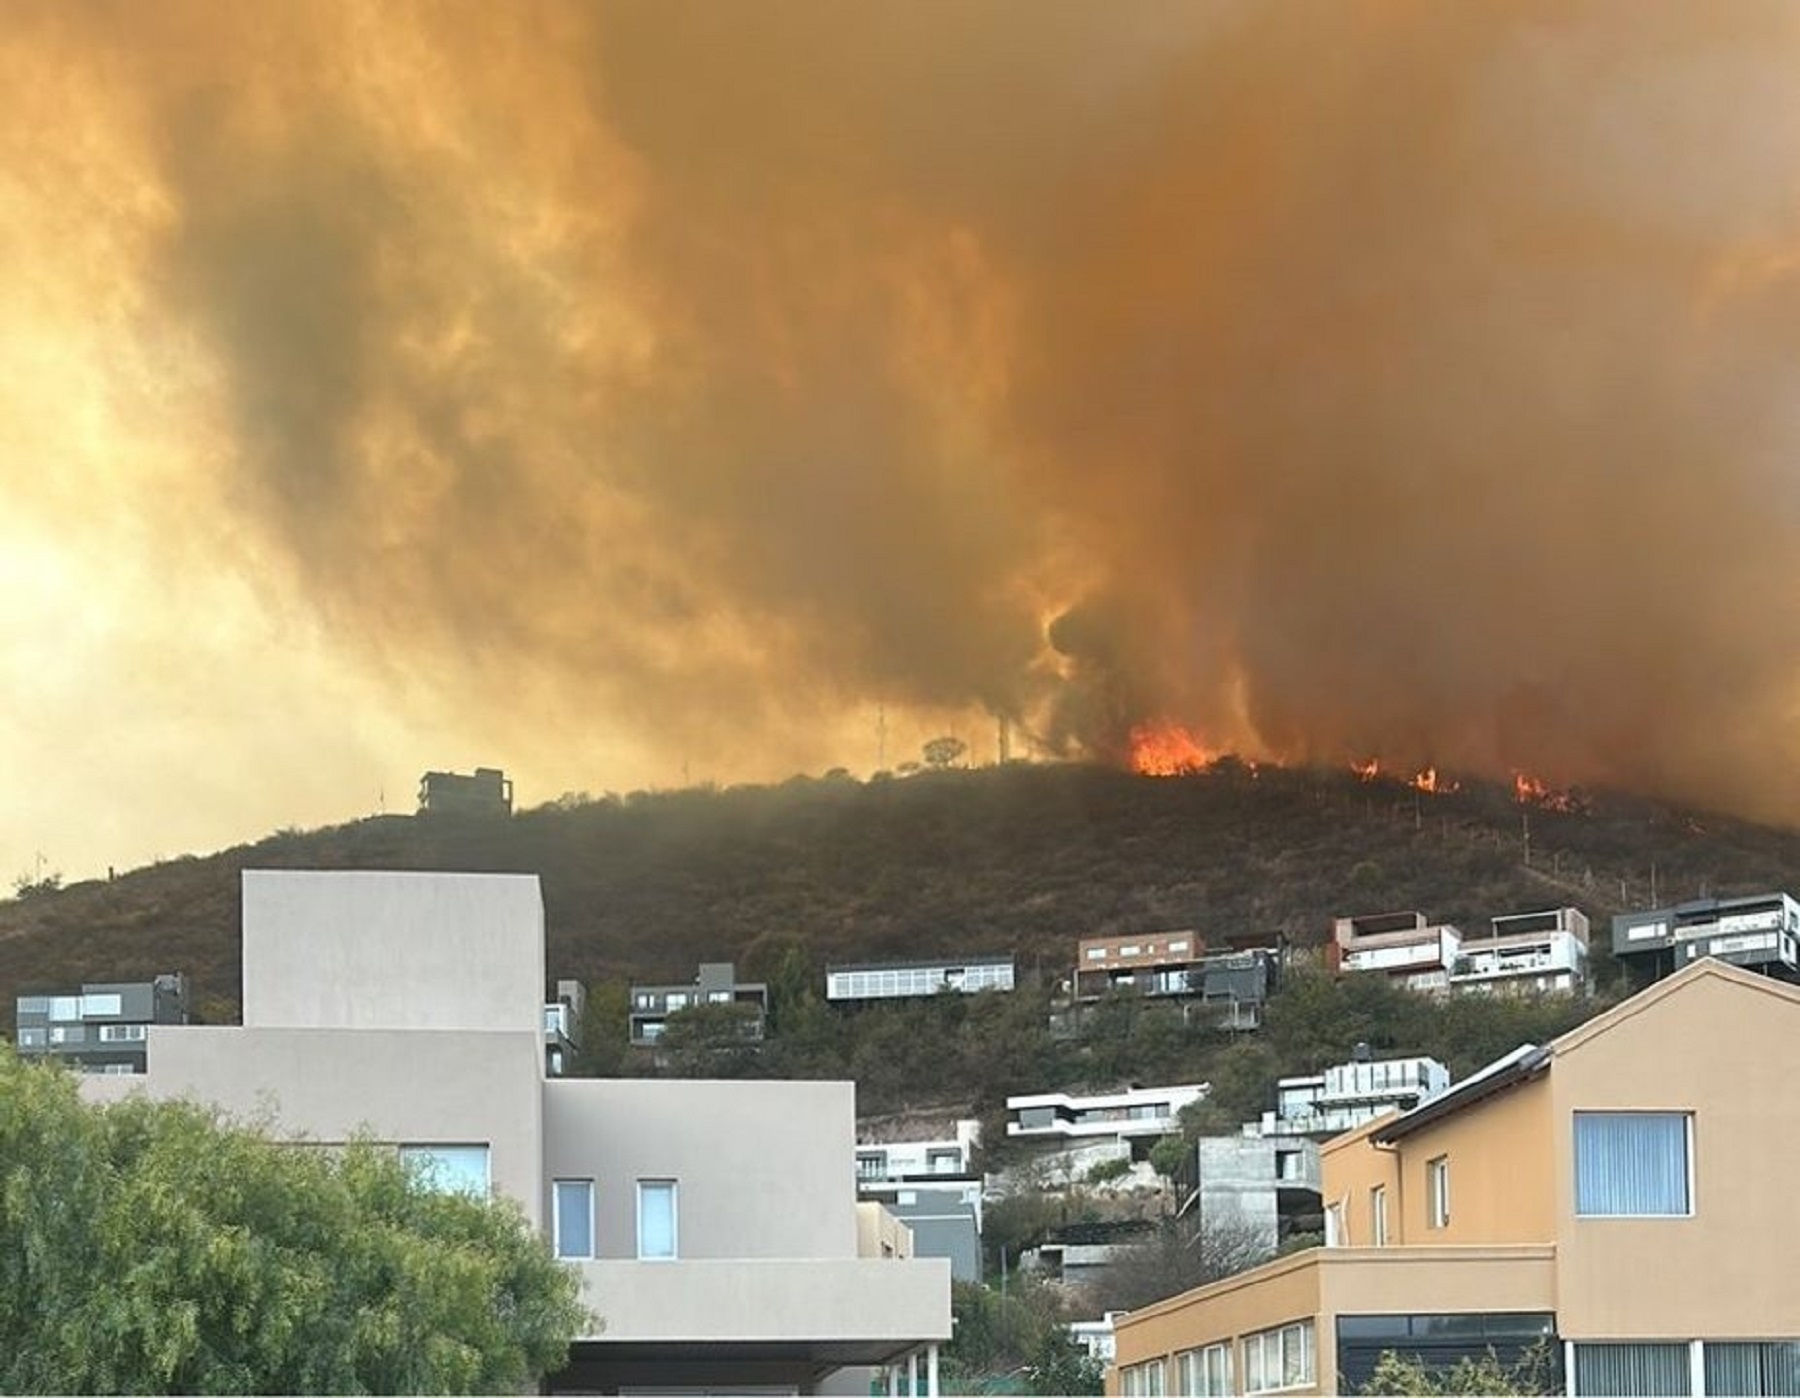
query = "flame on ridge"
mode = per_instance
[{"x": 1169, "y": 750}]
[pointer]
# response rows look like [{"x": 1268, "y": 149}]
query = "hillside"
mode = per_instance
[{"x": 1023, "y": 858}]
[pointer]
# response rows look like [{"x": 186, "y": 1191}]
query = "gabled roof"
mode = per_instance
[
  {"x": 1672, "y": 985},
  {"x": 1529, "y": 1060},
  {"x": 1526, "y": 1061}
]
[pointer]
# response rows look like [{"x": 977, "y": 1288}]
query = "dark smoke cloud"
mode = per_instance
[{"x": 1394, "y": 379}]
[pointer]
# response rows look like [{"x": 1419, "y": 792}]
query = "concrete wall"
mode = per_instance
[
  {"x": 764, "y": 1167},
  {"x": 766, "y": 1299},
  {"x": 1721, "y": 1044},
  {"x": 362, "y": 950},
  {"x": 406, "y": 1087}
]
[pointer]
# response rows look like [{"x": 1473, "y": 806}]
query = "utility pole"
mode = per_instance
[
  {"x": 881, "y": 737},
  {"x": 1525, "y": 826}
]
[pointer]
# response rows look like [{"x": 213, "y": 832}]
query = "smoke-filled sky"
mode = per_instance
[{"x": 629, "y": 392}]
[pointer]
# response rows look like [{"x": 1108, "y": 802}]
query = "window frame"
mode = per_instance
[
  {"x": 673, "y": 1187},
  {"x": 1689, "y": 1182},
  {"x": 1378, "y": 1216},
  {"x": 1271, "y": 1348},
  {"x": 1437, "y": 1191},
  {"x": 556, "y": 1221},
  {"x": 1195, "y": 1371}
]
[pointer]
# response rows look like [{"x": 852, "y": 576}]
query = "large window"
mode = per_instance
[
  {"x": 1752, "y": 1368},
  {"x": 449, "y": 1169},
  {"x": 1649, "y": 1371},
  {"x": 1142, "y": 1380},
  {"x": 1204, "y": 1373},
  {"x": 1632, "y": 1164},
  {"x": 657, "y": 1222},
  {"x": 1279, "y": 1358},
  {"x": 1437, "y": 1191},
  {"x": 572, "y": 1204}
]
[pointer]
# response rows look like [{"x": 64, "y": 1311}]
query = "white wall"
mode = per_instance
[
  {"x": 365, "y": 950},
  {"x": 764, "y": 1168}
]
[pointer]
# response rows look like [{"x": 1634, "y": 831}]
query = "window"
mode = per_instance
[
  {"x": 101, "y": 1005},
  {"x": 65, "y": 1007},
  {"x": 1204, "y": 1373},
  {"x": 572, "y": 1222},
  {"x": 121, "y": 1033},
  {"x": 449, "y": 1169},
  {"x": 1142, "y": 1380},
  {"x": 1335, "y": 1236},
  {"x": 1437, "y": 1190},
  {"x": 1279, "y": 1358},
  {"x": 31, "y": 1038},
  {"x": 1378, "y": 1216},
  {"x": 656, "y": 1219},
  {"x": 1751, "y": 1368},
  {"x": 1632, "y": 1164},
  {"x": 1652, "y": 1371}
]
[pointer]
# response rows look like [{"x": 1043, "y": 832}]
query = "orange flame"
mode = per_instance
[
  {"x": 1531, "y": 791},
  {"x": 1367, "y": 771},
  {"x": 1428, "y": 780},
  {"x": 1169, "y": 750}
]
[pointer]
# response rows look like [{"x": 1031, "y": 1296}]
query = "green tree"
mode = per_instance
[
  {"x": 152, "y": 1247},
  {"x": 1408, "y": 1376},
  {"x": 1013, "y": 1339}
]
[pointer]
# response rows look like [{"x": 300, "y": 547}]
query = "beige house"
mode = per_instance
[
  {"x": 715, "y": 1225},
  {"x": 1617, "y": 1200}
]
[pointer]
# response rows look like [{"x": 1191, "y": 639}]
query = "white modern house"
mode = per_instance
[
  {"x": 1132, "y": 1115},
  {"x": 1346, "y": 1095},
  {"x": 1541, "y": 953},
  {"x": 714, "y": 1225}
]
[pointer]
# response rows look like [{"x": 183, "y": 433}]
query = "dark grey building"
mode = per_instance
[
  {"x": 1760, "y": 933},
  {"x": 717, "y": 984},
  {"x": 486, "y": 793},
  {"x": 103, "y": 1029}
]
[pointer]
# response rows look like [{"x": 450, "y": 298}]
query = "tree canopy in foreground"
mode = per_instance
[{"x": 156, "y": 1247}]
